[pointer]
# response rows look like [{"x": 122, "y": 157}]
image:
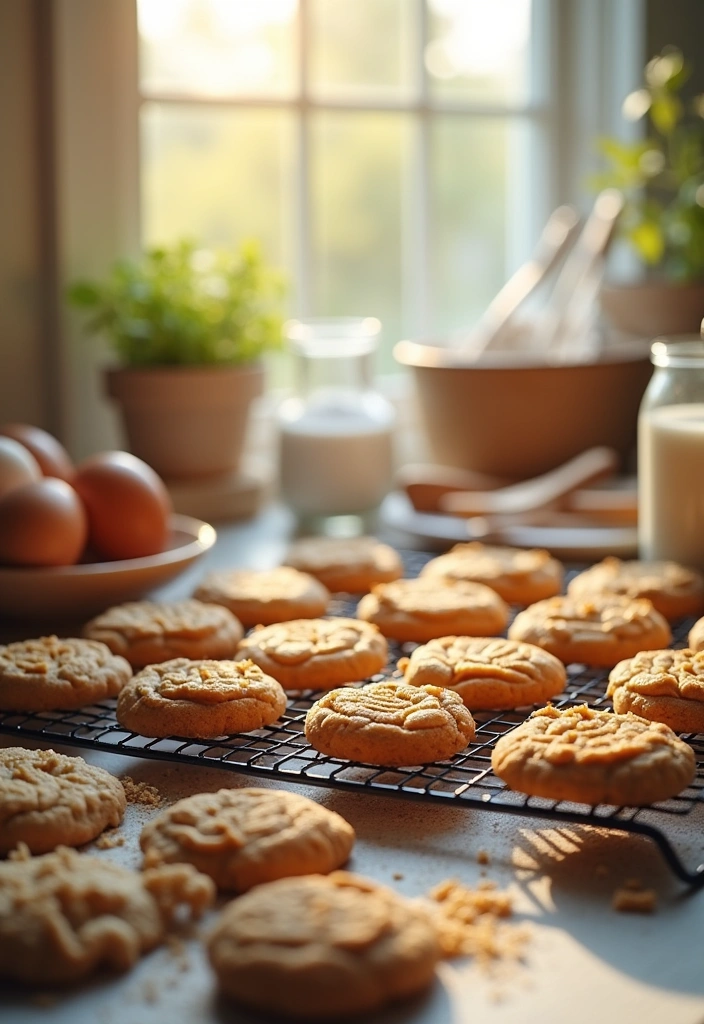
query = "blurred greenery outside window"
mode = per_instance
[{"x": 382, "y": 151}]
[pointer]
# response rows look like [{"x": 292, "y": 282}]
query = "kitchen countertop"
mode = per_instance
[{"x": 583, "y": 960}]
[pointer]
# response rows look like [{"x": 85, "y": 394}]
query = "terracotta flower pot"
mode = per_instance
[
  {"x": 652, "y": 308},
  {"x": 186, "y": 422}
]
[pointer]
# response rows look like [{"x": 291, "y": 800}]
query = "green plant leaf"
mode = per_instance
[
  {"x": 647, "y": 237},
  {"x": 665, "y": 112}
]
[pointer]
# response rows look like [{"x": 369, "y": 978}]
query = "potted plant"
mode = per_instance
[
  {"x": 662, "y": 178},
  {"x": 189, "y": 328}
]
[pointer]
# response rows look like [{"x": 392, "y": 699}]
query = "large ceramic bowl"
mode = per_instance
[
  {"x": 84, "y": 589},
  {"x": 513, "y": 416}
]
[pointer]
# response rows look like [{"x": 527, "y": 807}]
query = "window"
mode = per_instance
[{"x": 391, "y": 155}]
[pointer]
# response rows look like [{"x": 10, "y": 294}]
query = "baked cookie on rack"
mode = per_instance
[
  {"x": 199, "y": 699},
  {"x": 487, "y": 672},
  {"x": 147, "y": 632},
  {"x": 351, "y": 564},
  {"x": 322, "y": 947},
  {"x": 593, "y": 757},
  {"x": 390, "y": 723},
  {"x": 425, "y": 608},
  {"x": 243, "y": 837},
  {"x": 49, "y": 799},
  {"x": 65, "y": 915},
  {"x": 518, "y": 576},
  {"x": 695, "y": 640},
  {"x": 260, "y": 598},
  {"x": 662, "y": 686},
  {"x": 599, "y": 630},
  {"x": 674, "y": 589},
  {"x": 317, "y": 653},
  {"x": 51, "y": 674}
]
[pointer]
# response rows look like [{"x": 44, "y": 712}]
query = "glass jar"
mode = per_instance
[
  {"x": 671, "y": 454},
  {"x": 336, "y": 432}
]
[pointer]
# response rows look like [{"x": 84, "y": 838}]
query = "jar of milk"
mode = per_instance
[
  {"x": 671, "y": 454},
  {"x": 336, "y": 432}
]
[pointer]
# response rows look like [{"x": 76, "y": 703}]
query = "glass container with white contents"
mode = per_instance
[
  {"x": 671, "y": 455},
  {"x": 336, "y": 432}
]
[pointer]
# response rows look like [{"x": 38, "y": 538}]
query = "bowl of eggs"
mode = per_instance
[{"x": 75, "y": 539}]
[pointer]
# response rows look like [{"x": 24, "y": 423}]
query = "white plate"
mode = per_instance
[{"x": 81, "y": 590}]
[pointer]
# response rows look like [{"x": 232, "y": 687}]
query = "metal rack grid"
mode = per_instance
[{"x": 280, "y": 751}]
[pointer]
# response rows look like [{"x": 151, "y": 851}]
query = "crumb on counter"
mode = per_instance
[
  {"x": 471, "y": 922},
  {"x": 397, "y": 876},
  {"x": 634, "y": 899},
  {"x": 110, "y": 839},
  {"x": 483, "y": 857},
  {"x": 141, "y": 792}
]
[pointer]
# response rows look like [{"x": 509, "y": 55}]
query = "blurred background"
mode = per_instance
[{"x": 395, "y": 158}]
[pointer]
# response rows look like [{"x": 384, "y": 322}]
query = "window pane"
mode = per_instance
[
  {"x": 468, "y": 218},
  {"x": 478, "y": 50},
  {"x": 217, "y": 47},
  {"x": 196, "y": 183},
  {"x": 362, "y": 48},
  {"x": 359, "y": 165}
]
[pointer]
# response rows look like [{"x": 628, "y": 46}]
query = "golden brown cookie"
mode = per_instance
[
  {"x": 598, "y": 630},
  {"x": 200, "y": 699},
  {"x": 50, "y": 674},
  {"x": 662, "y": 686},
  {"x": 487, "y": 672},
  {"x": 243, "y": 837},
  {"x": 317, "y": 653},
  {"x": 674, "y": 590},
  {"x": 390, "y": 723},
  {"x": 593, "y": 757},
  {"x": 262, "y": 598},
  {"x": 322, "y": 947},
  {"x": 49, "y": 799},
  {"x": 518, "y": 576},
  {"x": 351, "y": 564},
  {"x": 424, "y": 608},
  {"x": 64, "y": 916},
  {"x": 147, "y": 632},
  {"x": 695, "y": 640}
]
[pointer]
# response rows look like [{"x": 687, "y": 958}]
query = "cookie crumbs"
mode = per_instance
[
  {"x": 471, "y": 922},
  {"x": 397, "y": 876},
  {"x": 141, "y": 792},
  {"x": 483, "y": 857},
  {"x": 634, "y": 899},
  {"x": 109, "y": 840}
]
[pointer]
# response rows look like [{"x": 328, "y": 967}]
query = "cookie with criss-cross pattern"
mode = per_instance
[
  {"x": 390, "y": 723},
  {"x": 322, "y": 947},
  {"x": 259, "y": 598},
  {"x": 487, "y": 672},
  {"x": 674, "y": 589},
  {"x": 351, "y": 564},
  {"x": 317, "y": 653},
  {"x": 662, "y": 686},
  {"x": 518, "y": 576},
  {"x": 201, "y": 699},
  {"x": 243, "y": 837},
  {"x": 593, "y": 757},
  {"x": 599, "y": 630}
]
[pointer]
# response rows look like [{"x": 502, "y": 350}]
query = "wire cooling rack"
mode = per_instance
[{"x": 280, "y": 751}]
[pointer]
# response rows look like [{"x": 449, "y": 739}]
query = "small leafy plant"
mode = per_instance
[
  {"x": 179, "y": 306},
  {"x": 662, "y": 175}
]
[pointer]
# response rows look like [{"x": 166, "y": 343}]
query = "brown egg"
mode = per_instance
[
  {"x": 51, "y": 456},
  {"x": 127, "y": 504},
  {"x": 43, "y": 523},
  {"x": 18, "y": 467}
]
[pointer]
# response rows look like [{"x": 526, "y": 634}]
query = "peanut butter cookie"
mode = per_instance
[
  {"x": 351, "y": 564},
  {"x": 487, "y": 672},
  {"x": 317, "y": 653},
  {"x": 47, "y": 799},
  {"x": 593, "y": 757},
  {"x": 674, "y": 589},
  {"x": 147, "y": 632},
  {"x": 199, "y": 699},
  {"x": 262, "y": 598},
  {"x": 425, "y": 608},
  {"x": 322, "y": 947},
  {"x": 243, "y": 837},
  {"x": 50, "y": 674},
  {"x": 518, "y": 576},
  {"x": 390, "y": 724},
  {"x": 598, "y": 630},
  {"x": 695, "y": 640},
  {"x": 662, "y": 686},
  {"x": 64, "y": 916}
]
